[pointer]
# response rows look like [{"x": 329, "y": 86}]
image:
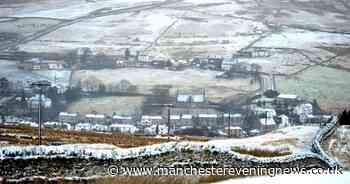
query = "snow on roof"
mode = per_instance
[
  {"x": 52, "y": 123},
  {"x": 228, "y": 60},
  {"x": 122, "y": 117},
  {"x": 327, "y": 116},
  {"x": 267, "y": 121},
  {"x": 32, "y": 124},
  {"x": 183, "y": 98},
  {"x": 80, "y": 126},
  {"x": 99, "y": 126},
  {"x": 186, "y": 116},
  {"x": 68, "y": 114},
  {"x": 98, "y": 116},
  {"x": 208, "y": 115},
  {"x": 233, "y": 128},
  {"x": 255, "y": 131},
  {"x": 283, "y": 116},
  {"x": 175, "y": 117},
  {"x": 36, "y": 97},
  {"x": 287, "y": 96},
  {"x": 237, "y": 115},
  {"x": 122, "y": 126},
  {"x": 152, "y": 117},
  {"x": 269, "y": 112},
  {"x": 198, "y": 98},
  {"x": 162, "y": 129}
]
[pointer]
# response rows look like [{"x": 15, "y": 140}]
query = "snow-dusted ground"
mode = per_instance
[
  {"x": 297, "y": 38},
  {"x": 293, "y": 179},
  {"x": 297, "y": 139},
  {"x": 145, "y": 79},
  {"x": 108, "y": 151},
  {"x": 74, "y": 10}
]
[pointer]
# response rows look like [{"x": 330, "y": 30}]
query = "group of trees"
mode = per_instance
[
  {"x": 73, "y": 93},
  {"x": 86, "y": 59},
  {"x": 271, "y": 93},
  {"x": 93, "y": 85},
  {"x": 344, "y": 118},
  {"x": 21, "y": 105},
  {"x": 4, "y": 86}
]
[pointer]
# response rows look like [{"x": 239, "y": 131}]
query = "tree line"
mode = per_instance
[{"x": 344, "y": 117}]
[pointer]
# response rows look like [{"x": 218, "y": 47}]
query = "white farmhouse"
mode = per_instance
[
  {"x": 35, "y": 100},
  {"x": 303, "y": 111},
  {"x": 154, "y": 129},
  {"x": 95, "y": 118},
  {"x": 123, "y": 128},
  {"x": 151, "y": 120}
]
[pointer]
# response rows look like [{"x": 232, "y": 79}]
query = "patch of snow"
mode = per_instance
[
  {"x": 297, "y": 38},
  {"x": 81, "y": 9}
]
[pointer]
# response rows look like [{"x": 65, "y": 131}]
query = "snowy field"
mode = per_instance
[
  {"x": 329, "y": 86},
  {"x": 146, "y": 79},
  {"x": 107, "y": 105},
  {"x": 296, "y": 139},
  {"x": 72, "y": 9},
  {"x": 317, "y": 30}
]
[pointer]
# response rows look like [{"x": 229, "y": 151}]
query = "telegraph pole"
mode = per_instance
[
  {"x": 41, "y": 85},
  {"x": 229, "y": 124},
  {"x": 169, "y": 106},
  {"x": 169, "y": 122}
]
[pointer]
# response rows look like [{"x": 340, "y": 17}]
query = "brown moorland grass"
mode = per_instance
[
  {"x": 261, "y": 152},
  {"x": 12, "y": 134}
]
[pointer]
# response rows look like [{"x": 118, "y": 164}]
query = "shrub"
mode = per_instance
[{"x": 344, "y": 118}]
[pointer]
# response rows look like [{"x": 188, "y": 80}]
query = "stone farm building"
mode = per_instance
[{"x": 39, "y": 64}]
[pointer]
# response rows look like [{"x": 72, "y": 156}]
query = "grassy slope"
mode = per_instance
[{"x": 330, "y": 87}]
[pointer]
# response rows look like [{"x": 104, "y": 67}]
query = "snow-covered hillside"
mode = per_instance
[{"x": 277, "y": 141}]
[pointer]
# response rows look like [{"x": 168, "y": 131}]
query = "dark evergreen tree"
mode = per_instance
[
  {"x": 86, "y": 57},
  {"x": 127, "y": 54},
  {"x": 271, "y": 93},
  {"x": 4, "y": 86},
  {"x": 344, "y": 118},
  {"x": 101, "y": 89},
  {"x": 71, "y": 58},
  {"x": 316, "y": 107},
  {"x": 52, "y": 93},
  {"x": 73, "y": 93}
]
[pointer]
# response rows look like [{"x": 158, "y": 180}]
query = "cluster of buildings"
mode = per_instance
[
  {"x": 146, "y": 124},
  {"x": 41, "y": 64},
  {"x": 267, "y": 114},
  {"x": 262, "y": 114},
  {"x": 285, "y": 110}
]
